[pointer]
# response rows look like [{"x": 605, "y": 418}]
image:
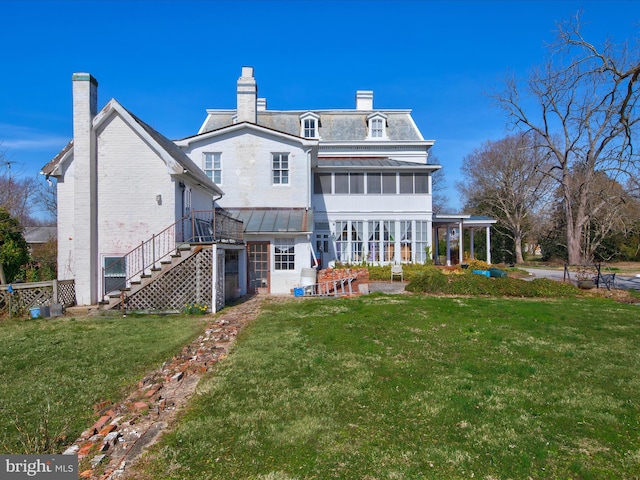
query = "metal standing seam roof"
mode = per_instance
[
  {"x": 274, "y": 220},
  {"x": 371, "y": 162}
]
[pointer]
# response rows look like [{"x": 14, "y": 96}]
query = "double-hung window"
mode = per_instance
[
  {"x": 377, "y": 128},
  {"x": 310, "y": 128},
  {"x": 309, "y": 125},
  {"x": 280, "y": 168},
  {"x": 284, "y": 255},
  {"x": 213, "y": 166},
  {"x": 377, "y": 123}
]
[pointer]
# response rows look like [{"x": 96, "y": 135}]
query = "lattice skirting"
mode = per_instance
[
  {"x": 67, "y": 293},
  {"x": 186, "y": 284}
]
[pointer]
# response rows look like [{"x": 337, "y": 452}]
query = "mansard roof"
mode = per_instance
[
  {"x": 234, "y": 127},
  {"x": 334, "y": 125}
]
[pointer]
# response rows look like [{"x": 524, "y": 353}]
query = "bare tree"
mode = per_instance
[
  {"x": 47, "y": 200},
  {"x": 17, "y": 194},
  {"x": 585, "y": 115},
  {"x": 618, "y": 217},
  {"x": 439, "y": 186},
  {"x": 508, "y": 179}
]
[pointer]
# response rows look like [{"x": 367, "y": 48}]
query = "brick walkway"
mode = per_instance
[{"x": 124, "y": 430}]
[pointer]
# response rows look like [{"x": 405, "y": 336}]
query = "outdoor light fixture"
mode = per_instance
[{"x": 159, "y": 199}]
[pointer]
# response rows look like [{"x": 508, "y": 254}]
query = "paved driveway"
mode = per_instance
[{"x": 626, "y": 282}]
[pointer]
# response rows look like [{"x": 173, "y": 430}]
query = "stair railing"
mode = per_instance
[{"x": 198, "y": 226}]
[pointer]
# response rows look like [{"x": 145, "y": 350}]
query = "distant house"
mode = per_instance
[
  {"x": 39, "y": 235},
  {"x": 312, "y": 188}
]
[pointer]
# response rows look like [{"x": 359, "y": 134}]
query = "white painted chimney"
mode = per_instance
[
  {"x": 85, "y": 180},
  {"x": 364, "y": 100},
  {"x": 247, "y": 96},
  {"x": 262, "y": 104}
]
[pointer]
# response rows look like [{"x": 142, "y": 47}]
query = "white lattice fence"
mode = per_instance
[
  {"x": 36, "y": 294},
  {"x": 187, "y": 283}
]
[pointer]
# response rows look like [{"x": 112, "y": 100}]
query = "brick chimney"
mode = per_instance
[
  {"x": 364, "y": 100},
  {"x": 85, "y": 238},
  {"x": 247, "y": 96}
]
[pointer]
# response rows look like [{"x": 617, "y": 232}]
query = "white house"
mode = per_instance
[
  {"x": 119, "y": 184},
  {"x": 361, "y": 174},
  {"x": 311, "y": 187}
]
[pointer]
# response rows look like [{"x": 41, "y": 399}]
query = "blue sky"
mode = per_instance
[{"x": 167, "y": 61}]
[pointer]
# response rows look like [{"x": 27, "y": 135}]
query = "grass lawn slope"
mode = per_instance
[
  {"x": 408, "y": 387},
  {"x": 52, "y": 372}
]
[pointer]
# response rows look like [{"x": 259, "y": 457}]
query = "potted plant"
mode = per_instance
[{"x": 585, "y": 278}]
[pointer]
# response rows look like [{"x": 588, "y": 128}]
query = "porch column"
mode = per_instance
[
  {"x": 436, "y": 251},
  {"x": 460, "y": 243},
  {"x": 489, "y": 245},
  {"x": 471, "y": 249}
]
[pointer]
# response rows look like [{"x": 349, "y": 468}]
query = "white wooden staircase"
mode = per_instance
[{"x": 116, "y": 298}]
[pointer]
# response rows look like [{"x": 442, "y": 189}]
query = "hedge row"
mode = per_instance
[{"x": 433, "y": 280}]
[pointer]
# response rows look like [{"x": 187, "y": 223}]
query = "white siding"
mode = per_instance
[
  {"x": 283, "y": 281},
  {"x": 247, "y": 170},
  {"x": 130, "y": 176},
  {"x": 65, "y": 191}
]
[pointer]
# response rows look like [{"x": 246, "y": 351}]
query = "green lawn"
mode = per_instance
[
  {"x": 409, "y": 387},
  {"x": 52, "y": 372}
]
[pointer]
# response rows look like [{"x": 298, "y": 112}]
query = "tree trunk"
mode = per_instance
[
  {"x": 574, "y": 251},
  {"x": 517, "y": 239},
  {"x": 3, "y": 280},
  {"x": 519, "y": 257}
]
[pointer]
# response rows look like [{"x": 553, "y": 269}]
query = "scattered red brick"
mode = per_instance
[
  {"x": 194, "y": 359},
  {"x": 326, "y": 277},
  {"x": 86, "y": 448},
  {"x": 108, "y": 429},
  {"x": 141, "y": 405},
  {"x": 100, "y": 423},
  {"x": 153, "y": 390}
]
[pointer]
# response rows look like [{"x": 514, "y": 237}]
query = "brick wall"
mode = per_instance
[{"x": 359, "y": 285}]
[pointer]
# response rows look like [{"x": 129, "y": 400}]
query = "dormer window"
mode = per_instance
[
  {"x": 309, "y": 128},
  {"x": 309, "y": 125},
  {"x": 377, "y": 123}
]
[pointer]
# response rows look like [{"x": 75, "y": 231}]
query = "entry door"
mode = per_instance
[{"x": 258, "y": 253}]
